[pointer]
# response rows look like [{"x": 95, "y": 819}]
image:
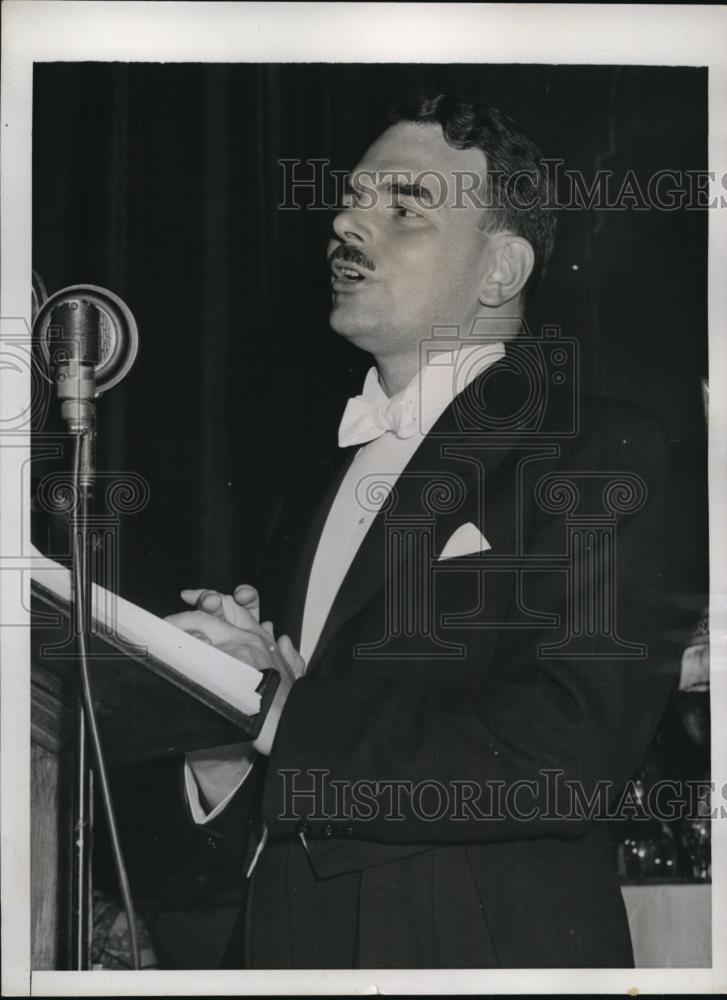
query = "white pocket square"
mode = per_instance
[{"x": 467, "y": 540}]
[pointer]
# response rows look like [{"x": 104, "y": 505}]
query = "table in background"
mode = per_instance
[{"x": 671, "y": 924}]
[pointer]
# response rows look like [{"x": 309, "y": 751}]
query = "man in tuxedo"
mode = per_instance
[{"x": 466, "y": 602}]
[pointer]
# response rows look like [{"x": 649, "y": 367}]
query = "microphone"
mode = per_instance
[{"x": 89, "y": 339}]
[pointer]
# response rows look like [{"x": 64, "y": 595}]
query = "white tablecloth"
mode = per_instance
[{"x": 671, "y": 925}]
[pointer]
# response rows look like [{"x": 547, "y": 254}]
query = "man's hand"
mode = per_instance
[
  {"x": 226, "y": 606},
  {"x": 241, "y": 609},
  {"x": 249, "y": 642}
]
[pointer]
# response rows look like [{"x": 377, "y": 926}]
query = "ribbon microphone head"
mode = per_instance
[{"x": 89, "y": 340}]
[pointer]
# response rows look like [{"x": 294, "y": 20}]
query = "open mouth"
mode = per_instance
[
  {"x": 349, "y": 266},
  {"x": 342, "y": 271}
]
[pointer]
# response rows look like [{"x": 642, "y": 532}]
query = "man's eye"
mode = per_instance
[{"x": 402, "y": 212}]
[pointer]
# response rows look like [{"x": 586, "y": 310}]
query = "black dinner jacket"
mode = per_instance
[{"x": 551, "y": 653}]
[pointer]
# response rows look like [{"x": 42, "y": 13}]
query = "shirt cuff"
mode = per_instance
[{"x": 193, "y": 798}]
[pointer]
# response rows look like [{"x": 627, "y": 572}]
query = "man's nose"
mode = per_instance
[{"x": 350, "y": 225}]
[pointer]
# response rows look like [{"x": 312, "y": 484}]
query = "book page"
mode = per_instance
[{"x": 222, "y": 675}]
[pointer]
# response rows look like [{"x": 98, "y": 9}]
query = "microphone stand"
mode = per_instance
[
  {"x": 74, "y": 341},
  {"x": 87, "y": 733},
  {"x": 82, "y": 886},
  {"x": 73, "y": 346}
]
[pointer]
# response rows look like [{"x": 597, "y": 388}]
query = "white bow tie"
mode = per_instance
[
  {"x": 416, "y": 408},
  {"x": 365, "y": 420}
]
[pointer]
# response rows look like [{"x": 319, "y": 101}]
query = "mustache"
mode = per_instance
[{"x": 352, "y": 254}]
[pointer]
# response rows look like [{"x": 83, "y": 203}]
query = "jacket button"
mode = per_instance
[
  {"x": 211, "y": 843},
  {"x": 303, "y": 827},
  {"x": 349, "y": 830},
  {"x": 328, "y": 830}
]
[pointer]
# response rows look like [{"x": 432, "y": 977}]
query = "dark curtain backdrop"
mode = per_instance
[{"x": 161, "y": 182}]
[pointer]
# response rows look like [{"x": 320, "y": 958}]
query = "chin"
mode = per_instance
[{"x": 352, "y": 325}]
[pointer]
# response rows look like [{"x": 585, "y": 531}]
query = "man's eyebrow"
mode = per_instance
[
  {"x": 410, "y": 190},
  {"x": 400, "y": 188}
]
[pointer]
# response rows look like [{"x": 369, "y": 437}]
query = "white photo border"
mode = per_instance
[{"x": 84, "y": 30}]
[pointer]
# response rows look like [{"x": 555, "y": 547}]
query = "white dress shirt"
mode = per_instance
[{"x": 382, "y": 459}]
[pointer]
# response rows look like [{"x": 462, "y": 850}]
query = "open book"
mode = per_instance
[{"x": 156, "y": 688}]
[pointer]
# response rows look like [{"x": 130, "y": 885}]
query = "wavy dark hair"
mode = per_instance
[{"x": 516, "y": 187}]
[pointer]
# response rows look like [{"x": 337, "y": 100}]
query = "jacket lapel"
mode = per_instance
[{"x": 438, "y": 488}]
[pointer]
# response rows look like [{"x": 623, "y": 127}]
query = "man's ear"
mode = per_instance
[{"x": 510, "y": 263}]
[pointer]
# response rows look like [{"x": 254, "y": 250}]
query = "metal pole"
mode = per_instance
[{"x": 81, "y": 919}]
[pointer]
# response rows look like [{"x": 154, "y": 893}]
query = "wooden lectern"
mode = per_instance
[
  {"x": 144, "y": 710},
  {"x": 52, "y": 753}
]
